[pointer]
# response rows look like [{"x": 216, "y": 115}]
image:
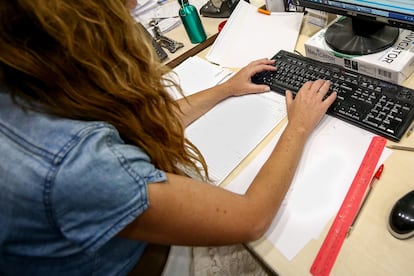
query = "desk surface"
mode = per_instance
[{"x": 370, "y": 250}]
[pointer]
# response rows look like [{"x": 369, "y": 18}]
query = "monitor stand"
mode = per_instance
[{"x": 354, "y": 36}]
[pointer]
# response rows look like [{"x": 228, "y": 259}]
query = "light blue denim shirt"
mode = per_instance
[{"x": 66, "y": 189}]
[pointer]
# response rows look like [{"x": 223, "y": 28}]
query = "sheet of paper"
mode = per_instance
[
  {"x": 196, "y": 74},
  {"x": 144, "y": 7},
  {"x": 328, "y": 166},
  {"x": 250, "y": 35},
  {"x": 170, "y": 9},
  {"x": 232, "y": 129},
  {"x": 165, "y": 12}
]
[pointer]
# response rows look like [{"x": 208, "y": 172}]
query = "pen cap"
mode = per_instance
[{"x": 192, "y": 22}]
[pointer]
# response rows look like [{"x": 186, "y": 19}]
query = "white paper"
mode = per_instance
[
  {"x": 232, "y": 129},
  {"x": 249, "y": 35},
  {"x": 196, "y": 74},
  {"x": 166, "y": 13},
  {"x": 143, "y": 7},
  {"x": 328, "y": 166}
]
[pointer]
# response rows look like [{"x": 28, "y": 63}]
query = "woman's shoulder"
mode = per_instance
[
  {"x": 40, "y": 132},
  {"x": 54, "y": 140}
]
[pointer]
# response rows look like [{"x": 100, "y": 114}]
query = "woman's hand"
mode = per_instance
[
  {"x": 241, "y": 83},
  {"x": 195, "y": 105},
  {"x": 308, "y": 107}
]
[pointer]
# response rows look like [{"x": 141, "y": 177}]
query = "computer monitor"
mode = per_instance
[{"x": 369, "y": 26}]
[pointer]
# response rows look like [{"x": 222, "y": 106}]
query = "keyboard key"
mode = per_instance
[{"x": 381, "y": 107}]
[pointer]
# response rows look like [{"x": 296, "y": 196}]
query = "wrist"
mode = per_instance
[
  {"x": 225, "y": 89},
  {"x": 298, "y": 131}
]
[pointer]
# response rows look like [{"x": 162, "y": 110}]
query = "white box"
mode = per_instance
[{"x": 394, "y": 64}]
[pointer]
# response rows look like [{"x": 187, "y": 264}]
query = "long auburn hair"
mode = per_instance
[{"x": 87, "y": 60}]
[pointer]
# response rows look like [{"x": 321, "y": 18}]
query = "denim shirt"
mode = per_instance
[{"x": 67, "y": 188}]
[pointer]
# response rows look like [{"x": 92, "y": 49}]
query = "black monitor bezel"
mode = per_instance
[{"x": 409, "y": 25}]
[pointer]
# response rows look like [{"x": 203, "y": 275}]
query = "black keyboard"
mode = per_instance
[{"x": 378, "y": 106}]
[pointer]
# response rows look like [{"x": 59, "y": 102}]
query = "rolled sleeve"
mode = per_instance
[{"x": 101, "y": 187}]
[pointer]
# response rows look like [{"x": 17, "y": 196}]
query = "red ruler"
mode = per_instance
[{"x": 324, "y": 261}]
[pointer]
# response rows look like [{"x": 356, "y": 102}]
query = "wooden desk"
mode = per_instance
[{"x": 370, "y": 250}]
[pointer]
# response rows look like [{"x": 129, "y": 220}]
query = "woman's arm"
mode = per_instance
[
  {"x": 187, "y": 212},
  {"x": 195, "y": 105}
]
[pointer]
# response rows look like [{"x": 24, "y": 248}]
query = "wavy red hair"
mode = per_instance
[{"x": 87, "y": 60}]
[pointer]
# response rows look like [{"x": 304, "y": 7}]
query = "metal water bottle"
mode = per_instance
[{"x": 191, "y": 21}]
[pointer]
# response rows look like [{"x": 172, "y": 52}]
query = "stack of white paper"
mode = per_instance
[
  {"x": 149, "y": 10},
  {"x": 250, "y": 35},
  {"x": 232, "y": 129}
]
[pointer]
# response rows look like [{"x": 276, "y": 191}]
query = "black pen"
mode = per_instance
[{"x": 371, "y": 185}]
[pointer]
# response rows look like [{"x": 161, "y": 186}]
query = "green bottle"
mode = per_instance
[{"x": 191, "y": 21}]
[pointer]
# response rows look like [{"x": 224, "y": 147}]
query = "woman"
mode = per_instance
[{"x": 95, "y": 163}]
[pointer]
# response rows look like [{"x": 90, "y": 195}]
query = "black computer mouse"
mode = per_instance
[{"x": 401, "y": 219}]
